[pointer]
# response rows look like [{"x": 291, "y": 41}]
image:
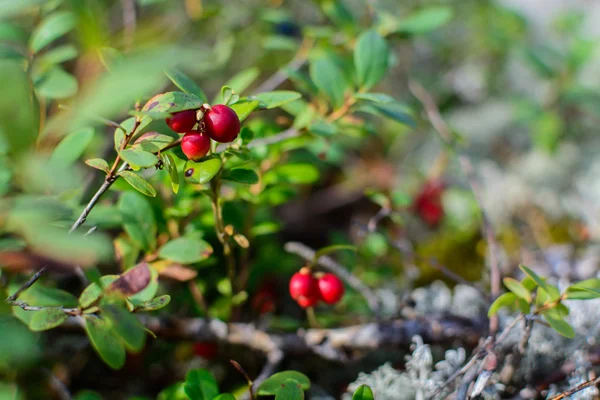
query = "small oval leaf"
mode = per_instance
[
  {"x": 202, "y": 172},
  {"x": 47, "y": 318},
  {"x": 138, "y": 183},
  {"x": 105, "y": 341}
]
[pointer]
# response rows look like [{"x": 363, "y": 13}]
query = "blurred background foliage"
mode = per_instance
[{"x": 517, "y": 82}]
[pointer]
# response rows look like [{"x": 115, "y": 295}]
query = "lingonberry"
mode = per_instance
[
  {"x": 195, "y": 145},
  {"x": 207, "y": 350},
  {"x": 428, "y": 202},
  {"x": 221, "y": 123},
  {"x": 183, "y": 121},
  {"x": 263, "y": 301},
  {"x": 304, "y": 288},
  {"x": 331, "y": 288}
]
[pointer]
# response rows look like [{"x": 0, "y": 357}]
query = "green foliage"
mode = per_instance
[
  {"x": 200, "y": 385},
  {"x": 272, "y": 385},
  {"x": 363, "y": 393}
]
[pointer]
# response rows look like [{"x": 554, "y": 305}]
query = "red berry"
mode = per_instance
[
  {"x": 331, "y": 288},
  {"x": 221, "y": 124},
  {"x": 183, "y": 121},
  {"x": 206, "y": 350},
  {"x": 428, "y": 202},
  {"x": 195, "y": 145},
  {"x": 263, "y": 301},
  {"x": 304, "y": 288}
]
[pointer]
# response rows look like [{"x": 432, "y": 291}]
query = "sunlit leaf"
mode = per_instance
[
  {"x": 98, "y": 163},
  {"x": 186, "y": 250},
  {"x": 72, "y": 147},
  {"x": 51, "y": 29},
  {"x": 271, "y": 385},
  {"x": 203, "y": 171},
  {"x": 169, "y": 164},
  {"x": 138, "y": 183},
  {"x": 363, "y": 392},
  {"x": 200, "y": 385},
  {"x": 185, "y": 83},
  {"x": 329, "y": 79},
  {"x": 276, "y": 98},
  {"x": 370, "y": 58}
]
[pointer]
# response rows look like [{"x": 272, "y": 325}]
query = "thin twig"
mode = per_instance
[
  {"x": 438, "y": 123},
  {"x": 578, "y": 388},
  {"x": 327, "y": 262},
  {"x": 27, "y": 307},
  {"x": 26, "y": 285}
]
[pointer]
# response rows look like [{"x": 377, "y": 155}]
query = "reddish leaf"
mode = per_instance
[{"x": 132, "y": 281}]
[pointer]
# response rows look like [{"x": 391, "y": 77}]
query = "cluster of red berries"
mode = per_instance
[
  {"x": 308, "y": 289},
  {"x": 219, "y": 123}
]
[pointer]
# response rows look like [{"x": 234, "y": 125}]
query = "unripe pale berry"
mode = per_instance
[
  {"x": 331, "y": 288},
  {"x": 304, "y": 288},
  {"x": 195, "y": 145},
  {"x": 183, "y": 121},
  {"x": 221, "y": 123}
]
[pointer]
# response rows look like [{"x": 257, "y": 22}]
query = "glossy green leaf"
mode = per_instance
[
  {"x": 244, "y": 107},
  {"x": 173, "y": 102},
  {"x": 363, "y": 392},
  {"x": 225, "y": 396},
  {"x": 371, "y": 56},
  {"x": 72, "y": 147},
  {"x": 271, "y": 385},
  {"x": 290, "y": 390},
  {"x": 276, "y": 98},
  {"x": 126, "y": 326},
  {"x": 57, "y": 84},
  {"x": 380, "y": 98},
  {"x": 50, "y": 29},
  {"x": 185, "y": 83},
  {"x": 394, "y": 111},
  {"x": 155, "y": 304},
  {"x": 517, "y": 288},
  {"x": 293, "y": 173},
  {"x": 173, "y": 392},
  {"x": 87, "y": 395},
  {"x": 93, "y": 292},
  {"x": 47, "y": 318},
  {"x": 200, "y": 385},
  {"x": 558, "y": 323},
  {"x": 105, "y": 341},
  {"x": 202, "y": 172},
  {"x": 243, "y": 79},
  {"x": 98, "y": 163},
  {"x": 584, "y": 290},
  {"x": 138, "y": 220},
  {"x": 241, "y": 175},
  {"x": 171, "y": 167},
  {"x": 504, "y": 300},
  {"x": 425, "y": 20},
  {"x": 186, "y": 250},
  {"x": 138, "y": 183},
  {"x": 329, "y": 79},
  {"x": 540, "y": 282},
  {"x": 152, "y": 142},
  {"x": 139, "y": 157}
]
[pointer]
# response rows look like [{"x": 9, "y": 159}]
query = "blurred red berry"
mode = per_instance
[
  {"x": 207, "y": 350},
  {"x": 331, "y": 288},
  {"x": 221, "y": 123},
  {"x": 304, "y": 288},
  {"x": 182, "y": 121},
  {"x": 263, "y": 301},
  {"x": 428, "y": 202}
]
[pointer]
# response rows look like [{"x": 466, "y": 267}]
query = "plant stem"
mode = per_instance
[{"x": 220, "y": 228}]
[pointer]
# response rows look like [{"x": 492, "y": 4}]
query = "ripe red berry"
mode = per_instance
[
  {"x": 331, "y": 288},
  {"x": 304, "y": 288},
  {"x": 206, "y": 350},
  {"x": 263, "y": 301},
  {"x": 221, "y": 124},
  {"x": 195, "y": 145},
  {"x": 428, "y": 202},
  {"x": 182, "y": 121}
]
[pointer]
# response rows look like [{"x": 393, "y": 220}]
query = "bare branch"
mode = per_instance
[
  {"x": 578, "y": 388},
  {"x": 330, "y": 264}
]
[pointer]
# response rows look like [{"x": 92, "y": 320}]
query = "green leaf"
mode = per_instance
[
  {"x": 88, "y": 395},
  {"x": 186, "y": 250},
  {"x": 290, "y": 390},
  {"x": 293, "y": 173},
  {"x": 241, "y": 175},
  {"x": 225, "y": 396},
  {"x": 55, "y": 56},
  {"x": 504, "y": 300},
  {"x": 276, "y": 98},
  {"x": 138, "y": 220},
  {"x": 152, "y": 142},
  {"x": 540, "y": 282},
  {"x": 244, "y": 107},
  {"x": 334, "y": 248},
  {"x": 329, "y": 79},
  {"x": 105, "y": 341},
  {"x": 173, "y": 392},
  {"x": 72, "y": 147},
  {"x": 138, "y": 157},
  {"x": 155, "y": 304},
  {"x": 50, "y": 29},
  {"x": 98, "y": 163},
  {"x": 202, "y": 172},
  {"x": 380, "y": 98},
  {"x": 370, "y": 58},
  {"x": 517, "y": 288},
  {"x": 57, "y": 84},
  {"x": 185, "y": 83},
  {"x": 363, "y": 393},
  {"x": 126, "y": 326},
  {"x": 394, "y": 111},
  {"x": 138, "y": 183},
  {"x": 425, "y": 20},
  {"x": 47, "y": 318},
  {"x": 93, "y": 292},
  {"x": 271, "y": 385},
  {"x": 558, "y": 323},
  {"x": 171, "y": 167},
  {"x": 584, "y": 290},
  {"x": 243, "y": 79},
  {"x": 173, "y": 102},
  {"x": 323, "y": 128},
  {"x": 200, "y": 385}
]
